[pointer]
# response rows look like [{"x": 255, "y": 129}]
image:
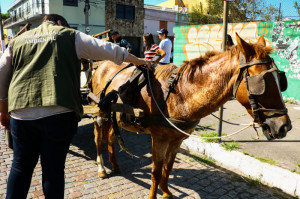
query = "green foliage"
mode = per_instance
[
  {"x": 204, "y": 160},
  {"x": 197, "y": 17},
  {"x": 209, "y": 134},
  {"x": 239, "y": 11},
  {"x": 266, "y": 160},
  {"x": 5, "y": 16},
  {"x": 230, "y": 146},
  {"x": 270, "y": 13}
]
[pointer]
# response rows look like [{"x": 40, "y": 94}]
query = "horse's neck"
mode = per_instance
[{"x": 210, "y": 88}]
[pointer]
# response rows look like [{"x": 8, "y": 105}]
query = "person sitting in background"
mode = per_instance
[
  {"x": 152, "y": 51},
  {"x": 117, "y": 39}
]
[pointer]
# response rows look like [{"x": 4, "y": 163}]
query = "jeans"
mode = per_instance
[{"x": 49, "y": 138}]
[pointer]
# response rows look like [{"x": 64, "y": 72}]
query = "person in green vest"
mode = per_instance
[{"x": 40, "y": 98}]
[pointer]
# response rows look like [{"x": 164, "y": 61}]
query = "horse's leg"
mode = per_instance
[
  {"x": 111, "y": 151},
  {"x": 167, "y": 168},
  {"x": 159, "y": 149},
  {"x": 99, "y": 133}
]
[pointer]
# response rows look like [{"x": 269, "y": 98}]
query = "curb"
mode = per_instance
[{"x": 268, "y": 174}]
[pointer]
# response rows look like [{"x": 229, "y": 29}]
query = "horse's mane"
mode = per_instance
[
  {"x": 165, "y": 71},
  {"x": 257, "y": 51}
]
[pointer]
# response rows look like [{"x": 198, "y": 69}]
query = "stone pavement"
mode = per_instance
[{"x": 192, "y": 176}]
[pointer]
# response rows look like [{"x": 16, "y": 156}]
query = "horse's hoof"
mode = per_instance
[
  {"x": 116, "y": 170},
  {"x": 102, "y": 174}
]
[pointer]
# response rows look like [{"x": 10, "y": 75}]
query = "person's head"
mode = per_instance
[
  {"x": 115, "y": 35},
  {"x": 162, "y": 34},
  {"x": 148, "y": 40},
  {"x": 59, "y": 20},
  {"x": 229, "y": 41}
]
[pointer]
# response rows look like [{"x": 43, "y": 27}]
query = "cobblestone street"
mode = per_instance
[{"x": 192, "y": 176}]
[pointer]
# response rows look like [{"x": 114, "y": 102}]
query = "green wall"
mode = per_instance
[{"x": 193, "y": 41}]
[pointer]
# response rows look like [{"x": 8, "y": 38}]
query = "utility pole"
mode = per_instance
[
  {"x": 225, "y": 22},
  {"x": 86, "y": 12},
  {"x": 1, "y": 32},
  {"x": 279, "y": 12}
]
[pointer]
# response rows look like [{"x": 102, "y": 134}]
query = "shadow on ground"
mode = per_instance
[{"x": 191, "y": 175}]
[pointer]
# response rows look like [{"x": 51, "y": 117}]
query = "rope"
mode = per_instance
[
  {"x": 183, "y": 132},
  {"x": 230, "y": 122}
]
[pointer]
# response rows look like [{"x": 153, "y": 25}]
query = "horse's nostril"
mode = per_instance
[{"x": 282, "y": 131}]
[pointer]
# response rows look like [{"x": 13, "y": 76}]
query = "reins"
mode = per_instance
[{"x": 183, "y": 132}]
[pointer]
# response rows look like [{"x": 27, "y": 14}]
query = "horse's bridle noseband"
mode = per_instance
[{"x": 244, "y": 75}]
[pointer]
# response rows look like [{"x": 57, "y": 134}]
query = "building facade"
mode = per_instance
[
  {"x": 32, "y": 12},
  {"x": 127, "y": 17}
]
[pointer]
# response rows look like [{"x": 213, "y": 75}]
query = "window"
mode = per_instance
[
  {"x": 20, "y": 12},
  {"x": 71, "y": 3},
  {"x": 125, "y": 12},
  {"x": 27, "y": 7}
]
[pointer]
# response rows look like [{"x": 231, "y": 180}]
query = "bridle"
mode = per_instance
[{"x": 256, "y": 85}]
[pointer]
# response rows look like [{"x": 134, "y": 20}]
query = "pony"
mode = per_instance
[{"x": 204, "y": 84}]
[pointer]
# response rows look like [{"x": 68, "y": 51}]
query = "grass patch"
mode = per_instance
[
  {"x": 298, "y": 165},
  {"x": 204, "y": 160},
  {"x": 209, "y": 134},
  {"x": 245, "y": 153},
  {"x": 229, "y": 146},
  {"x": 266, "y": 160}
]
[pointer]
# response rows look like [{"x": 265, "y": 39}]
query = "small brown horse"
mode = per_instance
[{"x": 206, "y": 83}]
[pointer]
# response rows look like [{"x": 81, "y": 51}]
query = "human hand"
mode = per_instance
[
  {"x": 5, "y": 120},
  {"x": 149, "y": 65}
]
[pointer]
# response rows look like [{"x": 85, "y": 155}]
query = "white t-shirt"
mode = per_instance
[{"x": 166, "y": 45}]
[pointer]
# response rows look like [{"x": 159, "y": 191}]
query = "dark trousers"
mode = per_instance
[{"x": 48, "y": 138}]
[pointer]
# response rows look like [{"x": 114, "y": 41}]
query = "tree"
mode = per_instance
[
  {"x": 271, "y": 13},
  {"x": 197, "y": 16},
  {"x": 5, "y": 16},
  {"x": 239, "y": 11},
  {"x": 297, "y": 8}
]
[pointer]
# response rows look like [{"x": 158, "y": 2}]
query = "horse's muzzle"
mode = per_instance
[{"x": 276, "y": 127}]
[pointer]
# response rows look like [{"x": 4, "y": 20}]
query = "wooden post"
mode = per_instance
[{"x": 225, "y": 22}]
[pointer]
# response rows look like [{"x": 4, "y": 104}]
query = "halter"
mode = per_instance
[{"x": 254, "y": 85}]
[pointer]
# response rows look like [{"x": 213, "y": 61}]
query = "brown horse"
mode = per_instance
[{"x": 205, "y": 84}]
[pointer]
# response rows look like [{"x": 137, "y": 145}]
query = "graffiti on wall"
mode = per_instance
[
  {"x": 193, "y": 41},
  {"x": 206, "y": 38},
  {"x": 287, "y": 47}
]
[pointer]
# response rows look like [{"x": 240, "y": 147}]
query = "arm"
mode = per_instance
[
  {"x": 162, "y": 54},
  {"x": 127, "y": 45},
  {"x": 5, "y": 77},
  {"x": 88, "y": 47}
]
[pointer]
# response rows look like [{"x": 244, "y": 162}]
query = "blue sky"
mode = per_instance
[{"x": 287, "y": 6}]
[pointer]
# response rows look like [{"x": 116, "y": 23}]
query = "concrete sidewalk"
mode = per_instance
[{"x": 284, "y": 153}]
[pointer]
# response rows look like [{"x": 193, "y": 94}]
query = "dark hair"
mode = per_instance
[
  {"x": 229, "y": 41},
  {"x": 114, "y": 33},
  {"x": 149, "y": 41},
  {"x": 55, "y": 18}
]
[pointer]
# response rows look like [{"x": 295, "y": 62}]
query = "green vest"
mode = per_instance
[{"x": 46, "y": 70}]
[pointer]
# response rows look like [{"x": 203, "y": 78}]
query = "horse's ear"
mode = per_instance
[
  {"x": 261, "y": 41},
  {"x": 243, "y": 46}
]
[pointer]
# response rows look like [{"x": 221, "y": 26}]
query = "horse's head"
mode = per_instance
[{"x": 258, "y": 88}]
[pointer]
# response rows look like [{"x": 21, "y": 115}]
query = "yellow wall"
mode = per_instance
[{"x": 188, "y": 3}]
